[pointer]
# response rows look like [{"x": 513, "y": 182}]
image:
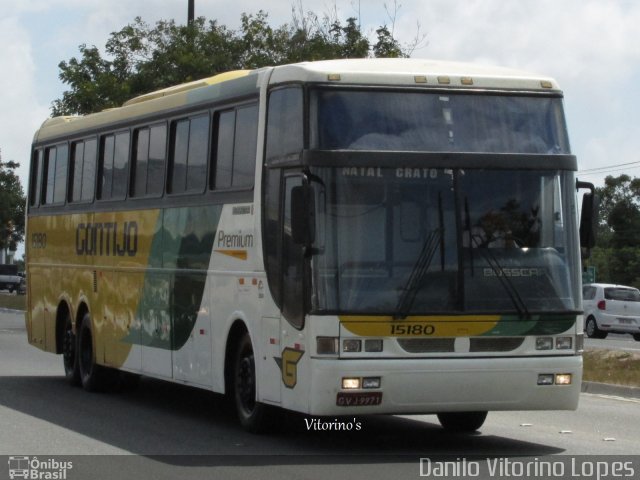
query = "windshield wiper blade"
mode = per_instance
[
  {"x": 504, "y": 280},
  {"x": 420, "y": 268}
]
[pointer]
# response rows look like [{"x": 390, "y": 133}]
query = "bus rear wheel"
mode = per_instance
[
  {"x": 92, "y": 375},
  {"x": 69, "y": 357},
  {"x": 462, "y": 422},
  {"x": 253, "y": 415}
]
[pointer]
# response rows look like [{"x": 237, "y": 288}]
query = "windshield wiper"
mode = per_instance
[
  {"x": 420, "y": 268},
  {"x": 504, "y": 280}
]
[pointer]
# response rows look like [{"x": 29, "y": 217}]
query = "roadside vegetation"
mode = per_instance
[
  {"x": 12, "y": 301},
  {"x": 612, "y": 366}
]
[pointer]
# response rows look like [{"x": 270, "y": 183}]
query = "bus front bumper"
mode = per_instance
[{"x": 421, "y": 386}]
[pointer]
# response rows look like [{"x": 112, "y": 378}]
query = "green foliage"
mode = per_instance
[
  {"x": 141, "y": 58},
  {"x": 617, "y": 254},
  {"x": 12, "y": 203}
]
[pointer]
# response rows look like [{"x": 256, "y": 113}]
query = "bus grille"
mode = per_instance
[
  {"x": 447, "y": 345},
  {"x": 427, "y": 345},
  {"x": 496, "y": 344}
]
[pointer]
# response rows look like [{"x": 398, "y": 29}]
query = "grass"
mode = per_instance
[
  {"x": 12, "y": 301},
  {"x": 612, "y": 366},
  {"x": 604, "y": 366}
]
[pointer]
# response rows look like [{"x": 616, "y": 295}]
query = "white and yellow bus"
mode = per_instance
[{"x": 334, "y": 238}]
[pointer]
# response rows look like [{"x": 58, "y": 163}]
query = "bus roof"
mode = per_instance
[
  {"x": 393, "y": 72},
  {"x": 409, "y": 71}
]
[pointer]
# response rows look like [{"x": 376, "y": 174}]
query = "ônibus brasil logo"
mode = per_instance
[{"x": 34, "y": 469}]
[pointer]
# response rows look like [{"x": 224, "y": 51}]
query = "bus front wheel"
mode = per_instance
[
  {"x": 253, "y": 415},
  {"x": 462, "y": 422}
]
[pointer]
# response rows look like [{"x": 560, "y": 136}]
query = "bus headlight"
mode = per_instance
[
  {"x": 564, "y": 343},
  {"x": 544, "y": 343},
  {"x": 327, "y": 345},
  {"x": 350, "y": 383},
  {"x": 351, "y": 345},
  {"x": 563, "y": 379}
]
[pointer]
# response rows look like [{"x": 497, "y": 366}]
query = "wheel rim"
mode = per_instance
[
  {"x": 245, "y": 384},
  {"x": 86, "y": 352},
  {"x": 590, "y": 327},
  {"x": 68, "y": 348}
]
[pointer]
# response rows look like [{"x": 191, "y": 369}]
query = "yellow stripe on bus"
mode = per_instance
[{"x": 420, "y": 326}]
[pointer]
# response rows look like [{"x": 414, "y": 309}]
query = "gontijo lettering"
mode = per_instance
[{"x": 107, "y": 239}]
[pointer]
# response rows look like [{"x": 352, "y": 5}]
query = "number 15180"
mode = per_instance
[{"x": 412, "y": 329}]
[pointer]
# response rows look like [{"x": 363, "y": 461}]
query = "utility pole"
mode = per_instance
[{"x": 191, "y": 13}]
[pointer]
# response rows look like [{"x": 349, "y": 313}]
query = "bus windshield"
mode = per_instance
[
  {"x": 413, "y": 241},
  {"x": 436, "y": 122}
]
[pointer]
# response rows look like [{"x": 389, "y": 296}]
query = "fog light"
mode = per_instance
[
  {"x": 563, "y": 379},
  {"x": 371, "y": 382},
  {"x": 544, "y": 343},
  {"x": 327, "y": 345},
  {"x": 564, "y": 343},
  {"x": 373, "y": 345},
  {"x": 546, "y": 379},
  {"x": 350, "y": 383},
  {"x": 352, "y": 345}
]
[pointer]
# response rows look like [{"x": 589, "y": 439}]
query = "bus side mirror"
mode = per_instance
[
  {"x": 302, "y": 215},
  {"x": 588, "y": 219}
]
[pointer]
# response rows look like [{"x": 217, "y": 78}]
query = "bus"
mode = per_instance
[{"x": 344, "y": 237}]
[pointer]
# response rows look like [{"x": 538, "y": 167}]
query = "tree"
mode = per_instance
[
  {"x": 140, "y": 58},
  {"x": 617, "y": 253},
  {"x": 12, "y": 204}
]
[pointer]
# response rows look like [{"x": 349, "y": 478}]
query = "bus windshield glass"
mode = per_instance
[
  {"x": 436, "y": 122},
  {"x": 410, "y": 241}
]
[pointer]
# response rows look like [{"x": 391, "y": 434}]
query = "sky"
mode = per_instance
[{"x": 589, "y": 46}]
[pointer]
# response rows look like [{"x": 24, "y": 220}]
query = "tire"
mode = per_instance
[
  {"x": 253, "y": 415},
  {"x": 636, "y": 337},
  {"x": 462, "y": 422},
  {"x": 592, "y": 330},
  {"x": 69, "y": 357},
  {"x": 92, "y": 375}
]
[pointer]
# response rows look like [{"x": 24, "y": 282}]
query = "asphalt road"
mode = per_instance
[
  {"x": 161, "y": 430},
  {"x": 614, "y": 341}
]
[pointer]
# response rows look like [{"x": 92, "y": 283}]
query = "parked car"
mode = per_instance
[
  {"x": 9, "y": 278},
  {"x": 611, "y": 308}
]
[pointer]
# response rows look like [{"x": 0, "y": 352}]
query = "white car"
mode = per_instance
[{"x": 611, "y": 308}]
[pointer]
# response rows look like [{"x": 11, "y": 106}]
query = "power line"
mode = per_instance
[
  {"x": 608, "y": 167},
  {"x": 602, "y": 172}
]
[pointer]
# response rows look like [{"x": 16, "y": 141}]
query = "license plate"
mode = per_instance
[
  {"x": 626, "y": 321},
  {"x": 358, "y": 399}
]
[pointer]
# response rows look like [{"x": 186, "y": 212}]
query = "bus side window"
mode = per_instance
[
  {"x": 285, "y": 125},
  {"x": 293, "y": 280},
  {"x": 82, "y": 170},
  {"x": 147, "y": 167},
  {"x": 235, "y": 150},
  {"x": 188, "y": 159},
  {"x": 113, "y": 166},
  {"x": 54, "y": 186},
  {"x": 35, "y": 181}
]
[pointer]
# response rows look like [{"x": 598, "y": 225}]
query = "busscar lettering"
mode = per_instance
[
  {"x": 107, "y": 239},
  {"x": 514, "y": 272}
]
